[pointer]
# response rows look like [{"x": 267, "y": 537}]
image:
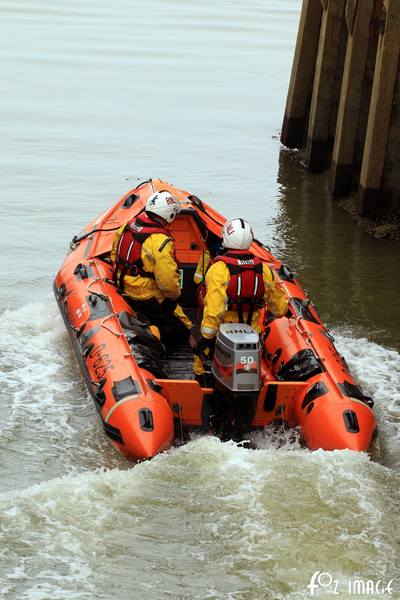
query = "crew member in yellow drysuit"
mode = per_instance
[
  {"x": 238, "y": 286},
  {"x": 146, "y": 270}
]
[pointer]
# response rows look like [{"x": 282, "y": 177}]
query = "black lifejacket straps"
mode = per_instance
[
  {"x": 246, "y": 286},
  {"x": 128, "y": 260}
]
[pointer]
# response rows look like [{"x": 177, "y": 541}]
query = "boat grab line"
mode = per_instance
[
  {"x": 127, "y": 399},
  {"x": 117, "y": 333}
]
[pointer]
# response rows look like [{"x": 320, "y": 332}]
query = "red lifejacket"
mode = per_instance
[
  {"x": 246, "y": 283},
  {"x": 129, "y": 251}
]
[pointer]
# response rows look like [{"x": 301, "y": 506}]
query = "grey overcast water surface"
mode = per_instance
[{"x": 94, "y": 96}]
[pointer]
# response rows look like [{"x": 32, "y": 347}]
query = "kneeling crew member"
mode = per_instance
[
  {"x": 146, "y": 270},
  {"x": 238, "y": 286}
]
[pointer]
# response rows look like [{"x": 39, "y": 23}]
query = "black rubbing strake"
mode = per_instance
[{"x": 113, "y": 432}]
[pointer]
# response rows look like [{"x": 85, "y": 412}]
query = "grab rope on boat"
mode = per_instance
[
  {"x": 99, "y": 294},
  {"x": 117, "y": 333},
  {"x": 77, "y": 239}
]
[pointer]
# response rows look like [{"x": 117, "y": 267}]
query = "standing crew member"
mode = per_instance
[
  {"x": 238, "y": 286},
  {"x": 146, "y": 270}
]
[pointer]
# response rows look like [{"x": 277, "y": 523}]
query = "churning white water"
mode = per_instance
[
  {"x": 208, "y": 520},
  {"x": 96, "y": 94}
]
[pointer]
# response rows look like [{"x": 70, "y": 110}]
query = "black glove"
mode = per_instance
[
  {"x": 200, "y": 345},
  {"x": 169, "y": 305}
]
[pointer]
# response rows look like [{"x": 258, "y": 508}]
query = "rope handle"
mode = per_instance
[{"x": 117, "y": 333}]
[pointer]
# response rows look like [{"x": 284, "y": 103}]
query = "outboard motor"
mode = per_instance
[{"x": 236, "y": 373}]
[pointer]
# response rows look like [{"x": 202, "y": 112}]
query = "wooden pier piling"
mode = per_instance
[
  {"x": 301, "y": 81},
  {"x": 342, "y": 108},
  {"x": 386, "y": 73},
  {"x": 358, "y": 24},
  {"x": 323, "y": 90}
]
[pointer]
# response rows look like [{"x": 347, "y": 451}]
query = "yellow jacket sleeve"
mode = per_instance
[
  {"x": 275, "y": 298},
  {"x": 113, "y": 255},
  {"x": 158, "y": 258},
  {"x": 215, "y": 302}
]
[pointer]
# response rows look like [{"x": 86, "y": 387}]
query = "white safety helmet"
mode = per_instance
[
  {"x": 164, "y": 205},
  {"x": 237, "y": 234}
]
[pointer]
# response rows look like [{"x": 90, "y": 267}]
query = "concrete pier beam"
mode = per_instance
[
  {"x": 358, "y": 19},
  {"x": 386, "y": 70},
  {"x": 323, "y": 91},
  {"x": 301, "y": 79}
]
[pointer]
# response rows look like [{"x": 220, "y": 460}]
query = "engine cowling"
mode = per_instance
[{"x": 237, "y": 355}]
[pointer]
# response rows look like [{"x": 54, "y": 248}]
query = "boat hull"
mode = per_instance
[{"x": 305, "y": 381}]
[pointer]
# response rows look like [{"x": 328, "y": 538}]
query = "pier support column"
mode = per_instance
[
  {"x": 323, "y": 93},
  {"x": 386, "y": 69},
  {"x": 358, "y": 18},
  {"x": 301, "y": 79}
]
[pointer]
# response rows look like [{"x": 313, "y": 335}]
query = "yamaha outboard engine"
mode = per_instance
[{"x": 236, "y": 373}]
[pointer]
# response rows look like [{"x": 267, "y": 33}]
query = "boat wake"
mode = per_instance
[
  {"x": 48, "y": 424},
  {"x": 214, "y": 518},
  {"x": 378, "y": 371}
]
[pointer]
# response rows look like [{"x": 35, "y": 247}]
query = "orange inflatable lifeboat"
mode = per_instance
[{"x": 145, "y": 399}]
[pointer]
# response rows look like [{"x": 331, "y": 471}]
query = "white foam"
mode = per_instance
[
  {"x": 377, "y": 369},
  {"x": 247, "y": 517},
  {"x": 47, "y": 418}
]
